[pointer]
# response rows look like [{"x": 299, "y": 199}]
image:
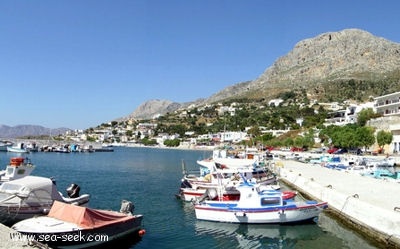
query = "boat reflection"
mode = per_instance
[{"x": 258, "y": 235}]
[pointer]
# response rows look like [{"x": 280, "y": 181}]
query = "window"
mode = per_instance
[{"x": 270, "y": 201}]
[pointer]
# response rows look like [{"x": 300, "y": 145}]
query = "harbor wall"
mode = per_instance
[{"x": 362, "y": 205}]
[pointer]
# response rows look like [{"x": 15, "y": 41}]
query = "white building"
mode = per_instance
[
  {"x": 233, "y": 136},
  {"x": 275, "y": 102},
  {"x": 348, "y": 115},
  {"x": 388, "y": 104}
]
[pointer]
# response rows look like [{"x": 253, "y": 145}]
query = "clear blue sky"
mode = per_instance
[{"x": 78, "y": 64}]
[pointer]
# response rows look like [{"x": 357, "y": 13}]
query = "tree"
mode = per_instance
[
  {"x": 299, "y": 142},
  {"x": 129, "y": 133},
  {"x": 365, "y": 136},
  {"x": 288, "y": 142},
  {"x": 383, "y": 138},
  {"x": 254, "y": 131},
  {"x": 309, "y": 139},
  {"x": 172, "y": 142},
  {"x": 364, "y": 115}
]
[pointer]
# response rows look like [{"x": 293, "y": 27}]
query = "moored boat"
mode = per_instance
[
  {"x": 234, "y": 159},
  {"x": 33, "y": 195},
  {"x": 93, "y": 227},
  {"x": 19, "y": 148},
  {"x": 17, "y": 168},
  {"x": 220, "y": 182},
  {"x": 256, "y": 206},
  {"x": 5, "y": 144}
]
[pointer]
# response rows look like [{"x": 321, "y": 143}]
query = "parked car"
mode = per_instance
[
  {"x": 356, "y": 151},
  {"x": 297, "y": 149},
  {"x": 332, "y": 150},
  {"x": 341, "y": 151}
]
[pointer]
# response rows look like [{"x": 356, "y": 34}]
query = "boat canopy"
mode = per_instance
[
  {"x": 33, "y": 189},
  {"x": 84, "y": 217}
]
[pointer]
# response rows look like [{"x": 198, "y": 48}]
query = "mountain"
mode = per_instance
[
  {"x": 333, "y": 66},
  {"x": 326, "y": 63},
  {"x": 28, "y": 130},
  {"x": 154, "y": 107}
]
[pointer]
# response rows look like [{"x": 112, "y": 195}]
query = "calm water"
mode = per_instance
[{"x": 150, "y": 178}]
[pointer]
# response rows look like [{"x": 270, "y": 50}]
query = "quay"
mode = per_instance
[
  {"x": 7, "y": 242},
  {"x": 368, "y": 205}
]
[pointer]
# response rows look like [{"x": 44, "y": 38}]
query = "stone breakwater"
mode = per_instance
[{"x": 369, "y": 205}]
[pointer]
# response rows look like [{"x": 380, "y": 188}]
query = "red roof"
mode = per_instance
[{"x": 86, "y": 217}]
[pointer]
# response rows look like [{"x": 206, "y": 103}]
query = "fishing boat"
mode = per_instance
[
  {"x": 17, "y": 168},
  {"x": 253, "y": 235},
  {"x": 225, "y": 194},
  {"x": 220, "y": 182},
  {"x": 4, "y": 144},
  {"x": 18, "y": 148},
  {"x": 385, "y": 173},
  {"x": 234, "y": 159},
  {"x": 257, "y": 206},
  {"x": 33, "y": 195},
  {"x": 93, "y": 227}
]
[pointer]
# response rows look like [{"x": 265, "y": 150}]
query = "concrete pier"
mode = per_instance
[
  {"x": 7, "y": 242},
  {"x": 372, "y": 206}
]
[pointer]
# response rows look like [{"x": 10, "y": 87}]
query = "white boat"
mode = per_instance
[
  {"x": 32, "y": 147},
  {"x": 70, "y": 221},
  {"x": 5, "y": 144},
  {"x": 19, "y": 148},
  {"x": 17, "y": 168},
  {"x": 251, "y": 236},
  {"x": 382, "y": 162},
  {"x": 218, "y": 186},
  {"x": 33, "y": 195},
  {"x": 246, "y": 158},
  {"x": 221, "y": 182},
  {"x": 256, "y": 206}
]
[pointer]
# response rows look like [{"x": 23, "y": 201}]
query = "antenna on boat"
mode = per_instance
[{"x": 184, "y": 171}]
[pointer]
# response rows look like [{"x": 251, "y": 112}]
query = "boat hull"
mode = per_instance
[
  {"x": 16, "y": 150},
  {"x": 275, "y": 215},
  {"x": 190, "y": 195},
  {"x": 12, "y": 214},
  {"x": 85, "y": 238}
]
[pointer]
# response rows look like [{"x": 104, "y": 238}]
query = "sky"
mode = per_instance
[{"x": 78, "y": 64}]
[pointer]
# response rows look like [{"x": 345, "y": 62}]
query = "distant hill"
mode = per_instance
[
  {"x": 28, "y": 130},
  {"x": 333, "y": 66}
]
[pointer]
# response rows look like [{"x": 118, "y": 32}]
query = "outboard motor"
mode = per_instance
[
  {"x": 73, "y": 190},
  {"x": 127, "y": 207}
]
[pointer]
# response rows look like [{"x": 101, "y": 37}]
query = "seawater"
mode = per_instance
[{"x": 150, "y": 178}]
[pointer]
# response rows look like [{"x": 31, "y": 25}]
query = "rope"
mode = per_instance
[{"x": 347, "y": 200}]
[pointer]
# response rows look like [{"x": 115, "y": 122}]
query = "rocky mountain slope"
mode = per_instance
[
  {"x": 348, "y": 55},
  {"x": 154, "y": 107},
  {"x": 332, "y": 66}
]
